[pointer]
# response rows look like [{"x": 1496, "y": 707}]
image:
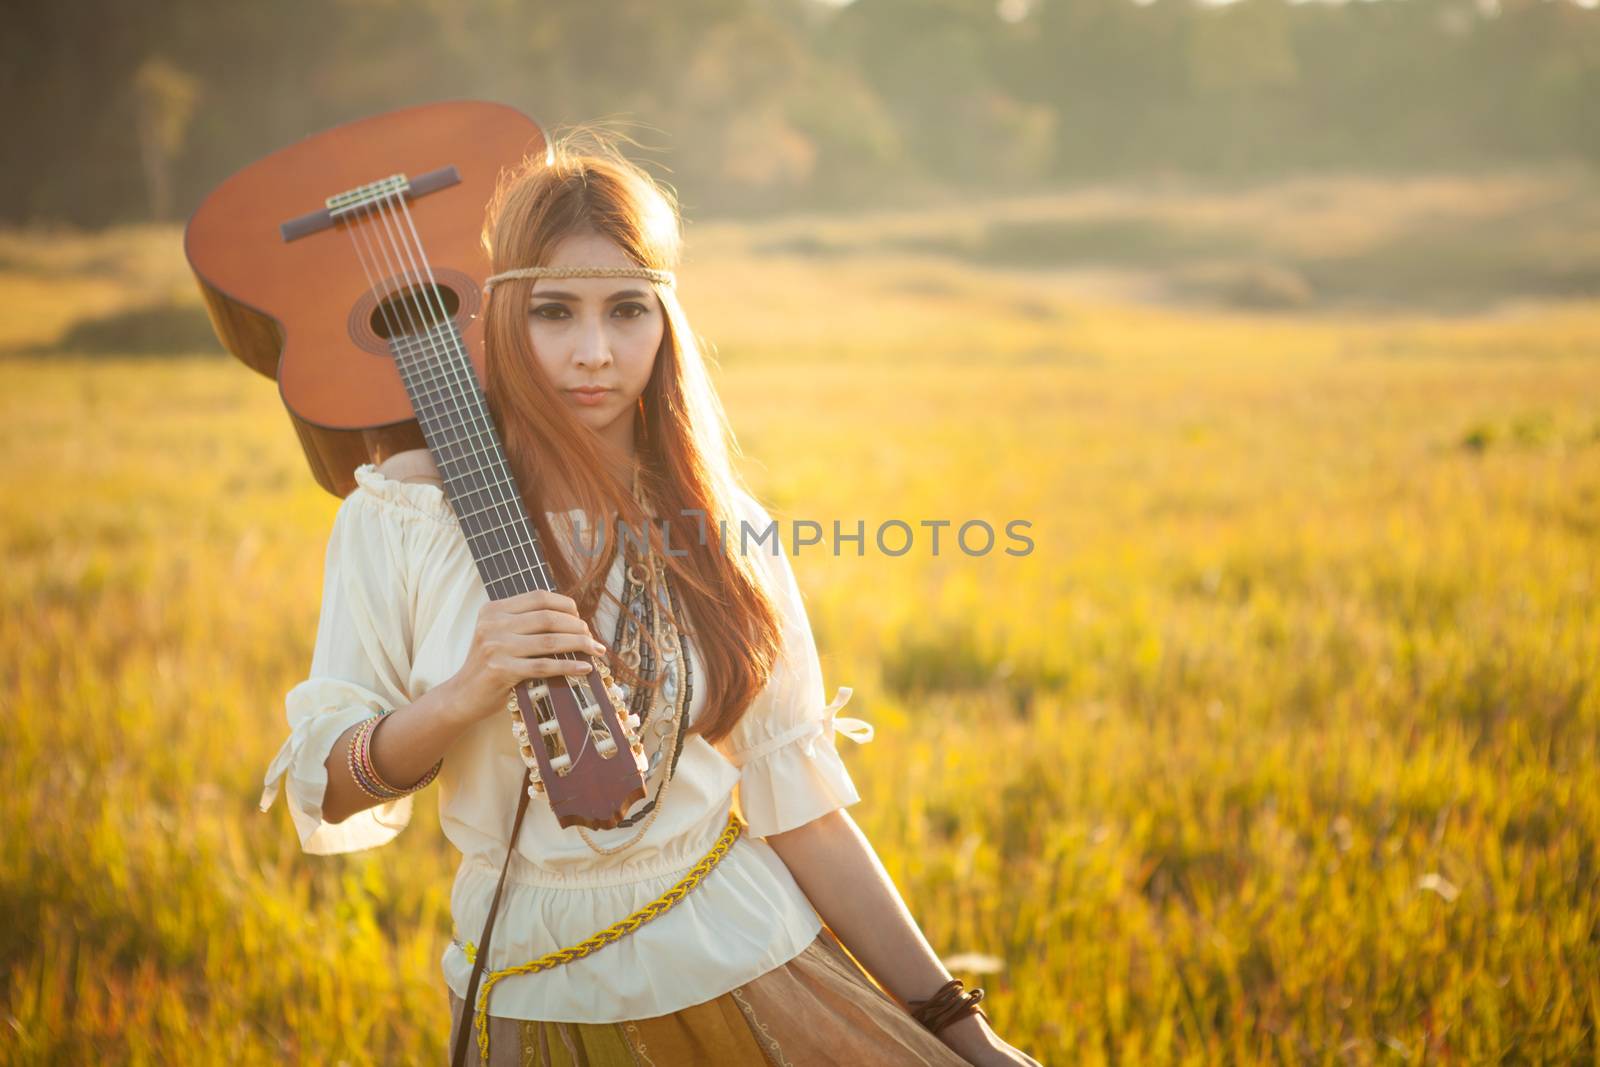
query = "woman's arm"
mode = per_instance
[
  {"x": 515, "y": 639},
  {"x": 412, "y": 740},
  {"x": 836, "y": 866}
]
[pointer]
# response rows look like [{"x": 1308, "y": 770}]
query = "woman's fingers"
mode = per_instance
[
  {"x": 537, "y": 634},
  {"x": 552, "y": 668},
  {"x": 544, "y": 621},
  {"x": 537, "y": 600},
  {"x": 529, "y": 645}
]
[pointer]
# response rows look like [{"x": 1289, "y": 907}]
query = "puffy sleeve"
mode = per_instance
[
  {"x": 359, "y": 666},
  {"x": 789, "y": 770}
]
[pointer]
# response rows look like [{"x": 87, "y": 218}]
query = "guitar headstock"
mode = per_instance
[{"x": 585, "y": 743}]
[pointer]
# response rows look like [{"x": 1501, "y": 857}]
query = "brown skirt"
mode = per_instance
[{"x": 819, "y": 1008}]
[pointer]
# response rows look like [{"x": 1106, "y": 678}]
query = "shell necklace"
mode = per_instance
[
  {"x": 642, "y": 610},
  {"x": 648, "y": 603}
]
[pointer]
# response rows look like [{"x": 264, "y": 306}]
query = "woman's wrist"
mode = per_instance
[
  {"x": 967, "y": 1035},
  {"x": 461, "y": 704}
]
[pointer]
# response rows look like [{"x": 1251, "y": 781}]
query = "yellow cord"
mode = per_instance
[{"x": 614, "y": 932}]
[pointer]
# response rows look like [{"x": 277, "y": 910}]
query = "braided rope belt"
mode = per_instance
[{"x": 615, "y": 932}]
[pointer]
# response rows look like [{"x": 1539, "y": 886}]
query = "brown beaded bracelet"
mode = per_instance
[{"x": 946, "y": 1006}]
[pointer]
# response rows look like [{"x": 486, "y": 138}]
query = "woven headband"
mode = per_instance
[{"x": 663, "y": 276}]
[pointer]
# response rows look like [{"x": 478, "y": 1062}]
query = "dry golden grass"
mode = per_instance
[{"x": 1280, "y": 746}]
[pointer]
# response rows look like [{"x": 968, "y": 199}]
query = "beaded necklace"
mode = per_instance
[
  {"x": 645, "y": 590},
  {"x": 645, "y": 583}
]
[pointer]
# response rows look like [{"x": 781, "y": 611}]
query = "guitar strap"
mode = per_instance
[{"x": 464, "y": 1029}]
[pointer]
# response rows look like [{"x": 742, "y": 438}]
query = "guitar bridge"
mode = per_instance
[{"x": 341, "y": 204}]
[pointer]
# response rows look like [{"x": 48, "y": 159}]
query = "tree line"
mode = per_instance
[{"x": 124, "y": 112}]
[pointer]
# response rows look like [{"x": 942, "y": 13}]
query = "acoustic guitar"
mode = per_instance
[{"x": 347, "y": 267}]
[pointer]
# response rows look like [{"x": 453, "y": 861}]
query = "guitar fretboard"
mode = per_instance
[{"x": 460, "y": 432}]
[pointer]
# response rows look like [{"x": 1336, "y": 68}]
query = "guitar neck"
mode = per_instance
[{"x": 460, "y": 432}]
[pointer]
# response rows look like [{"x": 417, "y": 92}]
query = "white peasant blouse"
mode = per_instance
[{"x": 401, "y": 596}]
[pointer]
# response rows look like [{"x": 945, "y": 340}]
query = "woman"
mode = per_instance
[{"x": 604, "y": 408}]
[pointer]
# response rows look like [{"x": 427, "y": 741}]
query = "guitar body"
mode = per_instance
[{"x": 302, "y": 311}]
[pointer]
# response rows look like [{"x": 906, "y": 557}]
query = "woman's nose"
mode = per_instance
[{"x": 593, "y": 351}]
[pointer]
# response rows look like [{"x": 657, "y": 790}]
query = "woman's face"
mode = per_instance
[{"x": 601, "y": 333}]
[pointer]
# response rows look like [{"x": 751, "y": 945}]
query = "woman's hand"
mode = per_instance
[
  {"x": 973, "y": 1039},
  {"x": 518, "y": 638},
  {"x": 1001, "y": 1054}
]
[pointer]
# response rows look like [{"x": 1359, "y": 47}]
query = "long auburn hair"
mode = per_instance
[{"x": 682, "y": 437}]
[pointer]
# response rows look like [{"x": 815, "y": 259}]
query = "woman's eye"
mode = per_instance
[{"x": 629, "y": 310}]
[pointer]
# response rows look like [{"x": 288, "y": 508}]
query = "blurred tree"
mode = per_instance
[
  {"x": 934, "y": 65},
  {"x": 1241, "y": 63},
  {"x": 165, "y": 97},
  {"x": 1113, "y": 73}
]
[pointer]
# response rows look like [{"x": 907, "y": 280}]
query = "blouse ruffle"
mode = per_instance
[
  {"x": 786, "y": 778},
  {"x": 396, "y": 559},
  {"x": 357, "y": 669}
]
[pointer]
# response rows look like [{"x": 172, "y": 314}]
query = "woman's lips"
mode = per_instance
[{"x": 590, "y": 397}]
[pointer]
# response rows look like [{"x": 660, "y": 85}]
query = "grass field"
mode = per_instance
[{"x": 1279, "y": 747}]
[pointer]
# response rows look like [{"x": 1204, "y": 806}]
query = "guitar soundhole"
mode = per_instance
[
  {"x": 458, "y": 292},
  {"x": 414, "y": 309}
]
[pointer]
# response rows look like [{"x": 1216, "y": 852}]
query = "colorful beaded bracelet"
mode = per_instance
[
  {"x": 365, "y": 774},
  {"x": 366, "y": 777},
  {"x": 356, "y": 763}
]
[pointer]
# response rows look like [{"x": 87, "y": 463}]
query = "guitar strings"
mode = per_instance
[
  {"x": 358, "y": 236},
  {"x": 442, "y": 343},
  {"x": 404, "y": 264},
  {"x": 448, "y": 374},
  {"x": 583, "y": 686},
  {"x": 459, "y": 375},
  {"x": 349, "y": 226},
  {"x": 433, "y": 340}
]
